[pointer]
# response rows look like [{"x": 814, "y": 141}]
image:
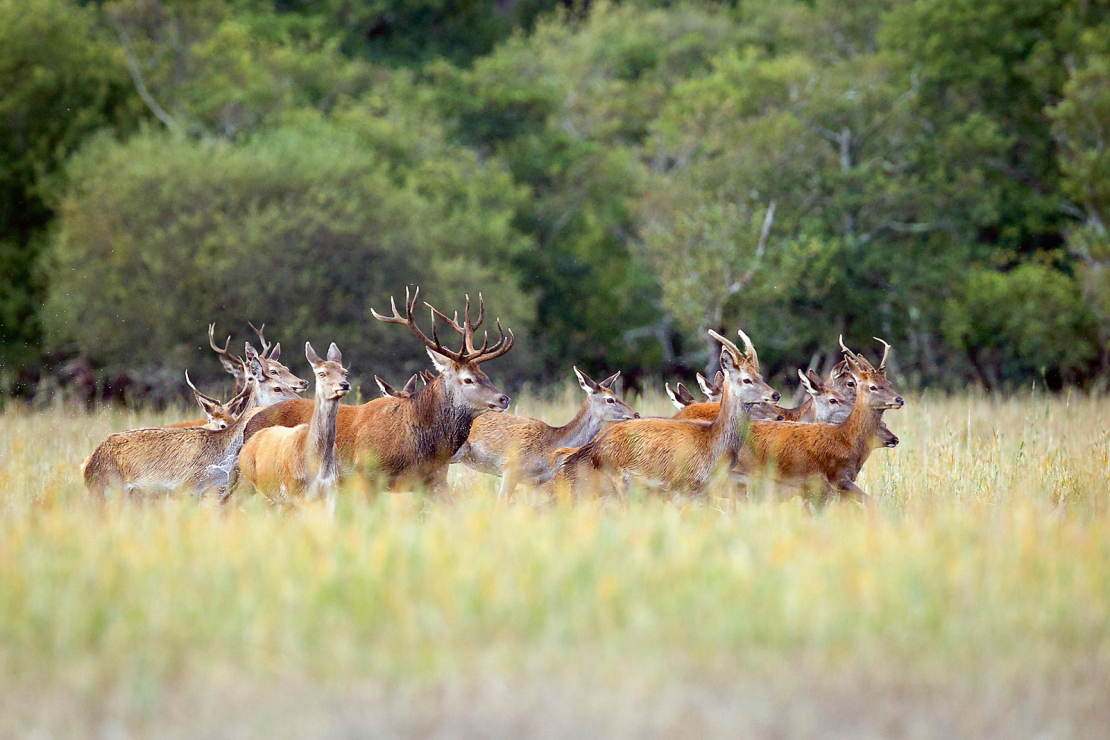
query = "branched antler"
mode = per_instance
[{"x": 469, "y": 353}]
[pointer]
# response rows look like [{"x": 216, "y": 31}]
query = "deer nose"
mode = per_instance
[
  {"x": 344, "y": 386},
  {"x": 893, "y": 442},
  {"x": 504, "y": 401},
  {"x": 635, "y": 414},
  {"x": 899, "y": 401},
  {"x": 775, "y": 396}
]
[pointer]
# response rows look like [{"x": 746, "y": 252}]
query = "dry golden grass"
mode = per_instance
[{"x": 984, "y": 577}]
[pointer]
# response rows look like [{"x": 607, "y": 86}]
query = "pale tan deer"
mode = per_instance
[
  {"x": 798, "y": 454},
  {"x": 194, "y": 459},
  {"x": 675, "y": 454},
  {"x": 411, "y": 440},
  {"x": 519, "y": 449},
  {"x": 289, "y": 461}
]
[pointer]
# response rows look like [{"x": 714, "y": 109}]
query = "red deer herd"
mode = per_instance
[{"x": 287, "y": 446}]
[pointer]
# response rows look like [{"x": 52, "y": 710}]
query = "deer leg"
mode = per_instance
[
  {"x": 508, "y": 485},
  {"x": 847, "y": 485}
]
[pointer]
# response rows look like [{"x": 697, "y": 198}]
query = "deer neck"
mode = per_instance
[
  {"x": 725, "y": 432},
  {"x": 862, "y": 424},
  {"x": 579, "y": 430},
  {"x": 321, "y": 434},
  {"x": 442, "y": 421}
]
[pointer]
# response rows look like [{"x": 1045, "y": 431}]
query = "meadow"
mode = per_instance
[{"x": 974, "y": 601}]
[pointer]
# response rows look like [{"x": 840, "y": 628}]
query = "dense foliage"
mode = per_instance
[{"x": 614, "y": 178}]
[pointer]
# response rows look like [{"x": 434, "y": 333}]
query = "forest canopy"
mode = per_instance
[{"x": 614, "y": 178}]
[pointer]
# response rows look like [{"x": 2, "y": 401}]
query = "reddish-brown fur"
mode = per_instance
[
  {"x": 677, "y": 454},
  {"x": 519, "y": 448},
  {"x": 411, "y": 440},
  {"x": 832, "y": 455}
]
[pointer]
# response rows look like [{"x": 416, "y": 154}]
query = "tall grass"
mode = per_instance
[{"x": 991, "y": 547}]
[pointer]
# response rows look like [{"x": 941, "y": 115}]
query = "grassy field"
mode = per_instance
[{"x": 974, "y": 603}]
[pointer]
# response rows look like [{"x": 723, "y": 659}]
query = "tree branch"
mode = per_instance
[
  {"x": 764, "y": 233},
  {"x": 137, "y": 78}
]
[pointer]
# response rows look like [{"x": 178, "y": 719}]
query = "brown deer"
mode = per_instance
[
  {"x": 411, "y": 440},
  {"x": 217, "y": 415},
  {"x": 676, "y": 454},
  {"x": 797, "y": 454},
  {"x": 519, "y": 449},
  {"x": 841, "y": 380},
  {"x": 194, "y": 459},
  {"x": 293, "y": 460}
]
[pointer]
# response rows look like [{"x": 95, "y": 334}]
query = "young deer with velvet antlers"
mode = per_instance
[
  {"x": 216, "y": 415},
  {"x": 289, "y": 461},
  {"x": 677, "y": 454},
  {"x": 194, "y": 459},
  {"x": 411, "y": 440},
  {"x": 797, "y": 454},
  {"x": 519, "y": 448}
]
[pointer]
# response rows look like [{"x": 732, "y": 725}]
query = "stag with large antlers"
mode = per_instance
[{"x": 411, "y": 440}]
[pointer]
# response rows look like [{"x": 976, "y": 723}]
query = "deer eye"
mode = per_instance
[
  {"x": 468, "y": 381},
  {"x": 277, "y": 389},
  {"x": 747, "y": 381},
  {"x": 833, "y": 402},
  {"x": 609, "y": 400},
  {"x": 874, "y": 387}
]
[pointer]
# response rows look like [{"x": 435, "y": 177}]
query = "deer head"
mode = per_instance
[
  {"x": 270, "y": 388},
  {"x": 872, "y": 381},
  {"x": 459, "y": 373},
  {"x": 830, "y": 406},
  {"x": 219, "y": 415},
  {"x": 604, "y": 404},
  {"x": 741, "y": 371},
  {"x": 331, "y": 376}
]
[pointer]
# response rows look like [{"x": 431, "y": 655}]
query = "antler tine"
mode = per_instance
[
  {"x": 886, "y": 351},
  {"x": 500, "y": 347},
  {"x": 860, "y": 359},
  {"x": 752, "y": 356},
  {"x": 727, "y": 344},
  {"x": 194, "y": 388},
  {"x": 212, "y": 341},
  {"x": 410, "y": 322},
  {"x": 266, "y": 346}
]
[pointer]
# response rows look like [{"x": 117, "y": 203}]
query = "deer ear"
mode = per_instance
[
  {"x": 815, "y": 379},
  {"x": 310, "y": 354},
  {"x": 807, "y": 383},
  {"x": 410, "y": 387},
  {"x": 678, "y": 404},
  {"x": 232, "y": 367},
  {"x": 704, "y": 385},
  {"x": 442, "y": 363},
  {"x": 275, "y": 353},
  {"x": 384, "y": 387},
  {"x": 729, "y": 363},
  {"x": 334, "y": 355},
  {"x": 585, "y": 381},
  {"x": 608, "y": 382},
  {"x": 207, "y": 405}
]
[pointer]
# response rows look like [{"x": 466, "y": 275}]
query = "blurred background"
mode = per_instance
[{"x": 615, "y": 179}]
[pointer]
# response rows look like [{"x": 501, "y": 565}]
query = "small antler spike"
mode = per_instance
[{"x": 886, "y": 351}]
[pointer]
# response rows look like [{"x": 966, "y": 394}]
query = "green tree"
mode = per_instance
[
  {"x": 303, "y": 228},
  {"x": 61, "y": 78}
]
